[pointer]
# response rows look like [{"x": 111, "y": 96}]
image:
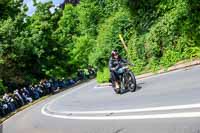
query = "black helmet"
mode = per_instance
[{"x": 114, "y": 52}]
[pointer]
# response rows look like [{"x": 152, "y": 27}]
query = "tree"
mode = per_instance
[{"x": 11, "y": 25}]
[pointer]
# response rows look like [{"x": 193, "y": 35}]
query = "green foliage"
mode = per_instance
[
  {"x": 88, "y": 14},
  {"x": 10, "y": 8},
  {"x": 153, "y": 65},
  {"x": 108, "y": 37},
  {"x": 67, "y": 28},
  {"x": 161, "y": 33},
  {"x": 2, "y": 88},
  {"x": 158, "y": 33},
  {"x": 103, "y": 76},
  {"x": 81, "y": 50},
  {"x": 109, "y": 7},
  {"x": 192, "y": 52},
  {"x": 169, "y": 58}
]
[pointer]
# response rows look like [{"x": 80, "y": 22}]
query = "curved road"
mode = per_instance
[{"x": 166, "y": 103}]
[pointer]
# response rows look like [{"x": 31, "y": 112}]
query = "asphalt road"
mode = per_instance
[{"x": 166, "y": 103}]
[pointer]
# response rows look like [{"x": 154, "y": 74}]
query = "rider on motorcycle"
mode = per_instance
[{"x": 114, "y": 65}]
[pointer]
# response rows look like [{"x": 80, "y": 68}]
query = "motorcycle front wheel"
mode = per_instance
[{"x": 131, "y": 82}]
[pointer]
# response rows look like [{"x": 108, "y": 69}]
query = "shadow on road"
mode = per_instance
[
  {"x": 138, "y": 87},
  {"x": 119, "y": 130}
]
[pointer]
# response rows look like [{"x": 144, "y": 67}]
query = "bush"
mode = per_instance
[
  {"x": 192, "y": 52},
  {"x": 154, "y": 64},
  {"x": 104, "y": 75},
  {"x": 170, "y": 58}
]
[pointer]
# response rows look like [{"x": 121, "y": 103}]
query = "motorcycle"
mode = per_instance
[{"x": 127, "y": 80}]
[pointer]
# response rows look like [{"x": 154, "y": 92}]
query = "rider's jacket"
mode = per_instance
[{"x": 116, "y": 63}]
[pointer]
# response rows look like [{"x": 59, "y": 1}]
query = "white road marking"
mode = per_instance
[
  {"x": 99, "y": 87},
  {"x": 162, "y": 108},
  {"x": 128, "y": 117},
  {"x": 131, "y": 117}
]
